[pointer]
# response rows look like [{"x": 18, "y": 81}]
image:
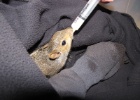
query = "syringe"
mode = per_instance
[{"x": 86, "y": 11}]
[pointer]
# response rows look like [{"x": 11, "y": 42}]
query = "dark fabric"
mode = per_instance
[
  {"x": 99, "y": 62},
  {"x": 20, "y": 78},
  {"x": 116, "y": 27},
  {"x": 24, "y": 26},
  {"x": 116, "y": 87}
]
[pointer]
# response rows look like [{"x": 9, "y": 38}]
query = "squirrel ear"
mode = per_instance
[{"x": 54, "y": 55}]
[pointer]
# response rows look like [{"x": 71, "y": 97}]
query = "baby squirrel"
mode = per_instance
[{"x": 51, "y": 57}]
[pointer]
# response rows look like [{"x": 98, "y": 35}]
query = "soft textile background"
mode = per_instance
[{"x": 25, "y": 26}]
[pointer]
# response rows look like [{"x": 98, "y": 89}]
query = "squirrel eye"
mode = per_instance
[{"x": 63, "y": 42}]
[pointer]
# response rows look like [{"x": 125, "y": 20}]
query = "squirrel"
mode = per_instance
[{"x": 51, "y": 57}]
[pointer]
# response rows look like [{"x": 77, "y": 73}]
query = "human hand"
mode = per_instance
[{"x": 104, "y": 1}]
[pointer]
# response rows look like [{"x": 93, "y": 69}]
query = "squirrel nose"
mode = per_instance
[{"x": 54, "y": 55}]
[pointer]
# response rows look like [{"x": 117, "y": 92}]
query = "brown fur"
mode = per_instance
[{"x": 51, "y": 57}]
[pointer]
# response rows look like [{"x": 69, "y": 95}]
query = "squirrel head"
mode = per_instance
[{"x": 60, "y": 43}]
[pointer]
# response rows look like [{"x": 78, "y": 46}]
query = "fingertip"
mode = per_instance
[{"x": 106, "y": 1}]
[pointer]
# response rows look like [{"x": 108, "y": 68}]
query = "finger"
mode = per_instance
[{"x": 107, "y": 0}]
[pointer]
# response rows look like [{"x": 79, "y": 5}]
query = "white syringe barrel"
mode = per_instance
[{"x": 86, "y": 11}]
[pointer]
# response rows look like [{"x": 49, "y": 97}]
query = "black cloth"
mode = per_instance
[
  {"x": 24, "y": 26},
  {"x": 115, "y": 88},
  {"x": 100, "y": 62}
]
